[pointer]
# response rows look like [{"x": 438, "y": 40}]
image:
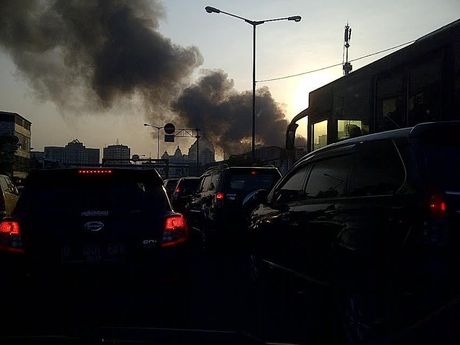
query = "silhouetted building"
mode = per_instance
[
  {"x": 207, "y": 153},
  {"x": 15, "y": 137},
  {"x": 116, "y": 155},
  {"x": 179, "y": 164},
  {"x": 73, "y": 154},
  {"x": 37, "y": 159},
  {"x": 185, "y": 165}
]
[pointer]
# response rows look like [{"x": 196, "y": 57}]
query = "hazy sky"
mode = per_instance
[{"x": 283, "y": 48}]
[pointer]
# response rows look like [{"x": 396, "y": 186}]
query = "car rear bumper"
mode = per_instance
[{"x": 165, "y": 266}]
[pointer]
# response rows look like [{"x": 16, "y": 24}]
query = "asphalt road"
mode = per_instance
[{"x": 217, "y": 294}]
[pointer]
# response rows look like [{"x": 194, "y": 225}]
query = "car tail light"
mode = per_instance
[
  {"x": 10, "y": 236},
  {"x": 175, "y": 231},
  {"x": 436, "y": 224},
  {"x": 220, "y": 196},
  {"x": 437, "y": 205},
  {"x": 9, "y": 227},
  {"x": 177, "y": 190}
]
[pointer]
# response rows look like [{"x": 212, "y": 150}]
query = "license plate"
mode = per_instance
[{"x": 92, "y": 253}]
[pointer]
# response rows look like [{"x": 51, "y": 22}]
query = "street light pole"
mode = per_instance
[
  {"x": 197, "y": 151},
  {"x": 158, "y": 137},
  {"x": 254, "y": 24},
  {"x": 253, "y": 142}
]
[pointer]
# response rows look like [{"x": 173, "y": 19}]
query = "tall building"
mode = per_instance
[
  {"x": 185, "y": 165},
  {"x": 73, "y": 154},
  {"x": 15, "y": 138},
  {"x": 54, "y": 154},
  {"x": 116, "y": 155},
  {"x": 207, "y": 153},
  {"x": 179, "y": 164}
]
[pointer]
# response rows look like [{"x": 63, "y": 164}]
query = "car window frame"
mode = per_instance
[
  {"x": 203, "y": 182},
  {"x": 271, "y": 199},
  {"x": 400, "y": 159},
  {"x": 329, "y": 156},
  {"x": 3, "y": 184}
]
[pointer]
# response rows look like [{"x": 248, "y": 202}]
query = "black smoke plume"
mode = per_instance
[
  {"x": 84, "y": 55},
  {"x": 225, "y": 115},
  {"x": 87, "y": 55}
]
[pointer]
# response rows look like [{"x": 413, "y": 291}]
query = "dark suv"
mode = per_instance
[
  {"x": 185, "y": 189},
  {"x": 92, "y": 217},
  {"x": 375, "y": 220},
  {"x": 217, "y": 207}
]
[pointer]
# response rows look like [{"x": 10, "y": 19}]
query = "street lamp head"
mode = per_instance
[
  {"x": 210, "y": 9},
  {"x": 295, "y": 18}
]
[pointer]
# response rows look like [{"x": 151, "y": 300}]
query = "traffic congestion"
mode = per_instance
[
  {"x": 355, "y": 244},
  {"x": 246, "y": 172}
]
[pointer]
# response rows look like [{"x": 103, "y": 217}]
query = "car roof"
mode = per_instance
[
  {"x": 241, "y": 168},
  {"x": 189, "y": 178},
  {"x": 418, "y": 130}
]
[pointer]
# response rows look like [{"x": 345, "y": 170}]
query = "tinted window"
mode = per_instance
[
  {"x": 170, "y": 185},
  {"x": 440, "y": 161},
  {"x": 292, "y": 188},
  {"x": 188, "y": 186},
  {"x": 11, "y": 186},
  {"x": 378, "y": 169},
  {"x": 214, "y": 181},
  {"x": 93, "y": 193},
  {"x": 248, "y": 181},
  {"x": 3, "y": 185},
  {"x": 206, "y": 183},
  {"x": 328, "y": 178}
]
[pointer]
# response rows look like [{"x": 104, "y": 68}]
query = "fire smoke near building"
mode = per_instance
[{"x": 86, "y": 56}]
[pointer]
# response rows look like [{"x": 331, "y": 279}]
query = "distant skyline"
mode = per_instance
[{"x": 283, "y": 48}]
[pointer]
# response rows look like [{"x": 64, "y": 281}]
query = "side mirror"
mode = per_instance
[{"x": 253, "y": 199}]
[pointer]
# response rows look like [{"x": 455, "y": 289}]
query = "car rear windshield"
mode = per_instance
[
  {"x": 440, "y": 160},
  {"x": 250, "y": 180},
  {"x": 188, "y": 186},
  {"x": 93, "y": 194}
]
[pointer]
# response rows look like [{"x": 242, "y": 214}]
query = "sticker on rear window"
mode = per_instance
[{"x": 94, "y": 213}]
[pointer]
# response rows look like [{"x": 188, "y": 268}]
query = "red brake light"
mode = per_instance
[
  {"x": 177, "y": 190},
  {"x": 220, "y": 196},
  {"x": 10, "y": 237},
  {"x": 437, "y": 205},
  {"x": 9, "y": 227},
  {"x": 94, "y": 171},
  {"x": 253, "y": 172},
  {"x": 175, "y": 231},
  {"x": 175, "y": 222}
]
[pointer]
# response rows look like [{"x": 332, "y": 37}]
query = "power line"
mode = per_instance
[{"x": 335, "y": 65}]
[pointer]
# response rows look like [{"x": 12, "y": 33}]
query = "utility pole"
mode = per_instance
[
  {"x": 197, "y": 151},
  {"x": 158, "y": 137},
  {"x": 347, "y": 67},
  {"x": 188, "y": 132}
]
